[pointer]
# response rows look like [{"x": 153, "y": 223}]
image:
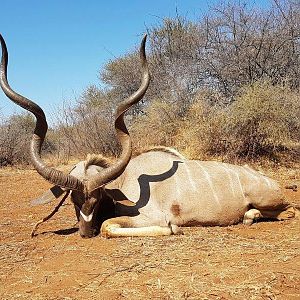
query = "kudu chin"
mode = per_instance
[{"x": 156, "y": 192}]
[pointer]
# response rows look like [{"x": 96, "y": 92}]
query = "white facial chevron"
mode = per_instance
[{"x": 87, "y": 218}]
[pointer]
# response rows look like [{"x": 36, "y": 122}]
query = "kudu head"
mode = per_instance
[{"x": 86, "y": 190}]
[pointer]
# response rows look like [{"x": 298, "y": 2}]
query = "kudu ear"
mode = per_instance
[{"x": 50, "y": 195}]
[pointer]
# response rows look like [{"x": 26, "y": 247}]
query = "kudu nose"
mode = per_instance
[
  {"x": 86, "y": 235},
  {"x": 89, "y": 235}
]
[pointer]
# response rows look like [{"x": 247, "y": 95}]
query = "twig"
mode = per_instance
[
  {"x": 96, "y": 276},
  {"x": 50, "y": 215}
]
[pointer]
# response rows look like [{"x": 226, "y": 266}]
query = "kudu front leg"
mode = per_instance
[{"x": 128, "y": 227}]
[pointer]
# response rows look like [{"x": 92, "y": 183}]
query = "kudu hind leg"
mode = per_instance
[
  {"x": 251, "y": 215},
  {"x": 281, "y": 212},
  {"x": 127, "y": 227},
  {"x": 284, "y": 212}
]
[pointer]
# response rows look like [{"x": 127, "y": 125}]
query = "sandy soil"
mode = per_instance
[{"x": 237, "y": 262}]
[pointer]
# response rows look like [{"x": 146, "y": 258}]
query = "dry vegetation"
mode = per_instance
[
  {"x": 237, "y": 262},
  {"x": 226, "y": 86},
  {"x": 263, "y": 122}
]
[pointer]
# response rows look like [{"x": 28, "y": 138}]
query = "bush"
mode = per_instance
[
  {"x": 15, "y": 136},
  {"x": 264, "y": 120},
  {"x": 15, "y": 133},
  {"x": 158, "y": 126},
  {"x": 86, "y": 128},
  {"x": 233, "y": 46},
  {"x": 225, "y": 85}
]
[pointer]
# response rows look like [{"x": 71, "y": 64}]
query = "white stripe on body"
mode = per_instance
[
  {"x": 238, "y": 179},
  {"x": 267, "y": 180},
  {"x": 210, "y": 183},
  {"x": 190, "y": 178},
  {"x": 230, "y": 179},
  {"x": 251, "y": 173},
  {"x": 177, "y": 185}
]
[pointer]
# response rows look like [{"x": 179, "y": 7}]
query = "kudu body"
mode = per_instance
[{"x": 157, "y": 191}]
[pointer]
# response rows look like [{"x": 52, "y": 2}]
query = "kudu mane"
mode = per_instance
[
  {"x": 97, "y": 160},
  {"x": 164, "y": 149},
  {"x": 104, "y": 162}
]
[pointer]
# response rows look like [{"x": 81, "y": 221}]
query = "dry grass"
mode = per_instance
[{"x": 236, "y": 262}]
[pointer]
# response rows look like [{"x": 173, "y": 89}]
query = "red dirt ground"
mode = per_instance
[{"x": 237, "y": 262}]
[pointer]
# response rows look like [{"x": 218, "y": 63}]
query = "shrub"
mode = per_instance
[
  {"x": 15, "y": 136},
  {"x": 158, "y": 126},
  {"x": 86, "y": 128},
  {"x": 15, "y": 132},
  {"x": 262, "y": 121}
]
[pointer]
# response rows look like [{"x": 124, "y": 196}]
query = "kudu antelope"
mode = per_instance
[{"x": 156, "y": 192}]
